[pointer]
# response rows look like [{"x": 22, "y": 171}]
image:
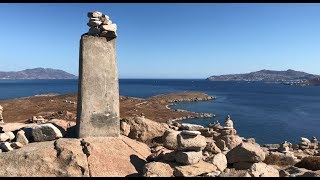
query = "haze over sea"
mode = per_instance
[{"x": 271, "y": 113}]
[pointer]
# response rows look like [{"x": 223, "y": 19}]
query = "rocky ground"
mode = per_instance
[
  {"x": 159, "y": 147},
  {"x": 64, "y": 107}
]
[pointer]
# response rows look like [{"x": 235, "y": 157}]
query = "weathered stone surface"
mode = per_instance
[
  {"x": 46, "y": 132},
  {"x": 120, "y": 156},
  {"x": 212, "y": 147},
  {"x": 194, "y": 169},
  {"x": 310, "y": 162},
  {"x": 169, "y": 155},
  {"x": 191, "y": 143},
  {"x": 145, "y": 130},
  {"x": 246, "y": 152},
  {"x": 280, "y": 159},
  {"x": 191, "y": 127},
  {"x": 15, "y": 126},
  {"x": 191, "y": 133},
  {"x": 170, "y": 139},
  {"x": 187, "y": 158},
  {"x": 263, "y": 170},
  {"x": 220, "y": 160},
  {"x": 124, "y": 128},
  {"x": 110, "y": 27},
  {"x": 221, "y": 144},
  {"x": 231, "y": 141},
  {"x": 158, "y": 169},
  {"x": 294, "y": 171},
  {"x": 21, "y": 137},
  {"x": 109, "y": 34},
  {"x": 311, "y": 174},
  {"x": 97, "y": 116},
  {"x": 61, "y": 158}
]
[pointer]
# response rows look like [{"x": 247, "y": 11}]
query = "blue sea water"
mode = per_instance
[{"x": 271, "y": 113}]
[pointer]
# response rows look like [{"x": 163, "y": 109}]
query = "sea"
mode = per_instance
[{"x": 268, "y": 112}]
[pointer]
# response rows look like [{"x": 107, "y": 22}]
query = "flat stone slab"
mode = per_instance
[{"x": 191, "y": 133}]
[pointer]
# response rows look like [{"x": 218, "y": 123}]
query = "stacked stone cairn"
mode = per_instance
[
  {"x": 101, "y": 25},
  {"x": 217, "y": 150},
  {"x": 1, "y": 118}
]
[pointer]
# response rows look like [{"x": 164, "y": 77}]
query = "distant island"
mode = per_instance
[
  {"x": 37, "y": 73},
  {"x": 290, "y": 77}
]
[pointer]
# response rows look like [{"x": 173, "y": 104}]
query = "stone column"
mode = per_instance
[{"x": 98, "y": 94}]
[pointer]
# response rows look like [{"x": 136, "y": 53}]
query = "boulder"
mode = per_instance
[
  {"x": 246, "y": 152},
  {"x": 108, "y": 34},
  {"x": 228, "y": 131},
  {"x": 187, "y": 158},
  {"x": 221, "y": 144},
  {"x": 170, "y": 139},
  {"x": 124, "y": 128},
  {"x": 145, "y": 130},
  {"x": 191, "y": 143},
  {"x": 95, "y": 14},
  {"x": 293, "y": 171},
  {"x": 46, "y": 132},
  {"x": 21, "y": 137},
  {"x": 10, "y": 135},
  {"x": 311, "y": 174},
  {"x": 280, "y": 159},
  {"x": 212, "y": 147},
  {"x": 94, "y": 23},
  {"x": 303, "y": 139},
  {"x": 263, "y": 170},
  {"x": 194, "y": 169},
  {"x": 191, "y": 127},
  {"x": 309, "y": 162},
  {"x": 234, "y": 173},
  {"x": 231, "y": 141},
  {"x": 220, "y": 161},
  {"x": 94, "y": 31},
  {"x": 158, "y": 169},
  {"x": 169, "y": 155}
]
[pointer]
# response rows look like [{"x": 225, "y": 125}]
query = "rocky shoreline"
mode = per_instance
[{"x": 152, "y": 144}]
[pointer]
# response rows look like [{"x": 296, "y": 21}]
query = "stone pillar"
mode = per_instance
[{"x": 98, "y": 94}]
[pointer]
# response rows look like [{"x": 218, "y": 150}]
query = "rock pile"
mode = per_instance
[
  {"x": 101, "y": 25},
  {"x": 1, "y": 118},
  {"x": 17, "y": 138}
]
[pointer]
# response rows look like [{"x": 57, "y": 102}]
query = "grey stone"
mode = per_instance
[
  {"x": 169, "y": 139},
  {"x": 191, "y": 143},
  {"x": 16, "y": 145},
  {"x": 191, "y": 133},
  {"x": 220, "y": 161},
  {"x": 94, "y": 31},
  {"x": 108, "y": 34},
  {"x": 246, "y": 152},
  {"x": 191, "y": 127},
  {"x": 46, "y": 132},
  {"x": 187, "y": 158},
  {"x": 98, "y": 96},
  {"x": 94, "y": 23}
]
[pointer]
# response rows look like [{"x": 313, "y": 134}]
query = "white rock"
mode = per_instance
[
  {"x": 10, "y": 135},
  {"x": 110, "y": 27},
  {"x": 191, "y": 133},
  {"x": 191, "y": 127},
  {"x": 303, "y": 139},
  {"x": 4, "y": 137},
  {"x": 220, "y": 160},
  {"x": 21, "y": 137}
]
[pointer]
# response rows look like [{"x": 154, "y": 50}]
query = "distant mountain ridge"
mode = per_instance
[
  {"x": 266, "y": 75},
  {"x": 37, "y": 73}
]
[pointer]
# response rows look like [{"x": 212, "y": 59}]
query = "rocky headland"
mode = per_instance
[
  {"x": 37, "y": 73},
  {"x": 37, "y": 139}
]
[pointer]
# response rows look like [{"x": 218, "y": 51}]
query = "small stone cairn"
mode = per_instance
[
  {"x": 101, "y": 25},
  {"x": 1, "y": 118}
]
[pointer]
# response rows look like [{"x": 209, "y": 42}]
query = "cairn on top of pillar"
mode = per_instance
[
  {"x": 101, "y": 25},
  {"x": 98, "y": 113}
]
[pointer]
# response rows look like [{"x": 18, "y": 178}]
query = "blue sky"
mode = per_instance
[{"x": 167, "y": 40}]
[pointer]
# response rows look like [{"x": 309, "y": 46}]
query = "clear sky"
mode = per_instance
[{"x": 167, "y": 40}]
